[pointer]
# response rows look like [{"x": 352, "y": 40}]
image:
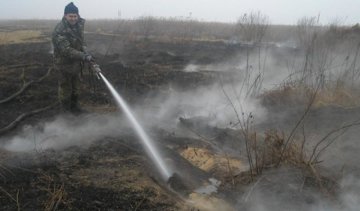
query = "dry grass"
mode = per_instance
[
  {"x": 274, "y": 146},
  {"x": 339, "y": 96},
  {"x": 219, "y": 165},
  {"x": 20, "y": 36},
  {"x": 292, "y": 94},
  {"x": 56, "y": 194},
  {"x": 271, "y": 151}
]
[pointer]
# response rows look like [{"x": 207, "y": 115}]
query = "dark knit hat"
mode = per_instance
[{"x": 71, "y": 8}]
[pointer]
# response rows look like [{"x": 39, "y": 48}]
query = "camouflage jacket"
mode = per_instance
[{"x": 68, "y": 42}]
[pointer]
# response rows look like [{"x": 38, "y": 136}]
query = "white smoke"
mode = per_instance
[
  {"x": 158, "y": 112},
  {"x": 63, "y": 132},
  {"x": 209, "y": 103},
  {"x": 281, "y": 192}
]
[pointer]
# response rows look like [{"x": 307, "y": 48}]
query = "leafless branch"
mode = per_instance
[
  {"x": 23, "y": 116},
  {"x": 25, "y": 86}
]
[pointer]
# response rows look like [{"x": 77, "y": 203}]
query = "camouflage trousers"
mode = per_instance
[{"x": 68, "y": 86}]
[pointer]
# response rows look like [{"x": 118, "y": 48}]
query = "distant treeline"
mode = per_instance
[{"x": 149, "y": 26}]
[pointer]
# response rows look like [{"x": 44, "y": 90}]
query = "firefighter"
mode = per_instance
[{"x": 69, "y": 56}]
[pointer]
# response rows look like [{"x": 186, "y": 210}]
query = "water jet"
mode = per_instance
[{"x": 140, "y": 132}]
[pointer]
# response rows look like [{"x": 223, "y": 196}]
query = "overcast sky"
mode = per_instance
[{"x": 279, "y": 11}]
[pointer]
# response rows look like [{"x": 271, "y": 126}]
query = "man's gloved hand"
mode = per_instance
[{"x": 88, "y": 58}]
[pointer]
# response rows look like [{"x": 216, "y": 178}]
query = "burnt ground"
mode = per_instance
[
  {"x": 113, "y": 173},
  {"x": 108, "y": 175}
]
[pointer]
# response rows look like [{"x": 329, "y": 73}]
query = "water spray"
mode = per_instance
[
  {"x": 147, "y": 142},
  {"x": 176, "y": 182}
]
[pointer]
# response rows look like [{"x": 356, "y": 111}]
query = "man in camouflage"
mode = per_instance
[{"x": 69, "y": 56}]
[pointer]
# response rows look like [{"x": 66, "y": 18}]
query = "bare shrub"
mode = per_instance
[
  {"x": 327, "y": 140},
  {"x": 251, "y": 29},
  {"x": 328, "y": 53}
]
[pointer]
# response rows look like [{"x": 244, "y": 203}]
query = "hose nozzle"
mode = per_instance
[{"x": 97, "y": 70}]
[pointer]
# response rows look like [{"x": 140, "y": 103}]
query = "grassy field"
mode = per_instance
[{"x": 21, "y": 36}]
